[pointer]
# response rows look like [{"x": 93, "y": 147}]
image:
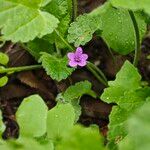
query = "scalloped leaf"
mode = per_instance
[
  {"x": 81, "y": 31},
  {"x": 73, "y": 94},
  {"x": 20, "y": 22},
  {"x": 62, "y": 9},
  {"x": 55, "y": 67},
  {"x": 77, "y": 90}
]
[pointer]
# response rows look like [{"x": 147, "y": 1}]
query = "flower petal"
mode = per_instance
[
  {"x": 82, "y": 63},
  {"x": 72, "y": 63},
  {"x": 79, "y": 51},
  {"x": 84, "y": 56},
  {"x": 71, "y": 56}
]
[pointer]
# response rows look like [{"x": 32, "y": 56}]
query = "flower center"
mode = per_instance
[{"x": 77, "y": 58}]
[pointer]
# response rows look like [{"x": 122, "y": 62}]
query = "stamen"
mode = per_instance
[{"x": 77, "y": 58}]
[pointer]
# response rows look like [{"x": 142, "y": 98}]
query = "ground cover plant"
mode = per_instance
[{"x": 74, "y": 75}]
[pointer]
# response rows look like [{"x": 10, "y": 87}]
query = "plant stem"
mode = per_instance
[
  {"x": 75, "y": 9},
  {"x": 18, "y": 69},
  {"x": 57, "y": 49},
  {"x": 137, "y": 39},
  {"x": 65, "y": 42},
  {"x": 98, "y": 71},
  {"x": 96, "y": 75}
]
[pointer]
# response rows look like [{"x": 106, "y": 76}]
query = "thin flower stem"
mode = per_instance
[
  {"x": 75, "y": 9},
  {"x": 19, "y": 69},
  {"x": 137, "y": 39},
  {"x": 96, "y": 75},
  {"x": 65, "y": 42},
  {"x": 98, "y": 71}
]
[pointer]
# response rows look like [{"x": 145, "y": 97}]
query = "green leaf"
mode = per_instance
[
  {"x": 77, "y": 109},
  {"x": 60, "y": 120},
  {"x": 31, "y": 116},
  {"x": 56, "y": 67},
  {"x": 139, "y": 130},
  {"x": 126, "y": 144},
  {"x": 26, "y": 143},
  {"x": 134, "y": 99},
  {"x": 118, "y": 30},
  {"x": 81, "y": 138},
  {"x": 57, "y": 7},
  {"x": 63, "y": 30},
  {"x": 2, "y": 126},
  {"x": 127, "y": 104},
  {"x": 4, "y": 59},
  {"x": 81, "y": 31},
  {"x": 77, "y": 90},
  {"x": 73, "y": 94},
  {"x": 120, "y": 114},
  {"x": 37, "y": 46},
  {"x": 29, "y": 143},
  {"x": 62, "y": 9},
  {"x": 148, "y": 57},
  {"x": 32, "y": 4},
  {"x": 117, "y": 126},
  {"x": 45, "y": 2},
  {"x": 28, "y": 24},
  {"x": 126, "y": 91},
  {"x": 5, "y": 147},
  {"x": 127, "y": 79},
  {"x": 3, "y": 81},
  {"x": 133, "y": 4}
]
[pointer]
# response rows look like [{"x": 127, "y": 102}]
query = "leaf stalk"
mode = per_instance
[
  {"x": 137, "y": 39},
  {"x": 19, "y": 69},
  {"x": 75, "y": 9}
]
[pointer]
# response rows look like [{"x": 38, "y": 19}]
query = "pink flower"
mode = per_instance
[{"x": 77, "y": 58}]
